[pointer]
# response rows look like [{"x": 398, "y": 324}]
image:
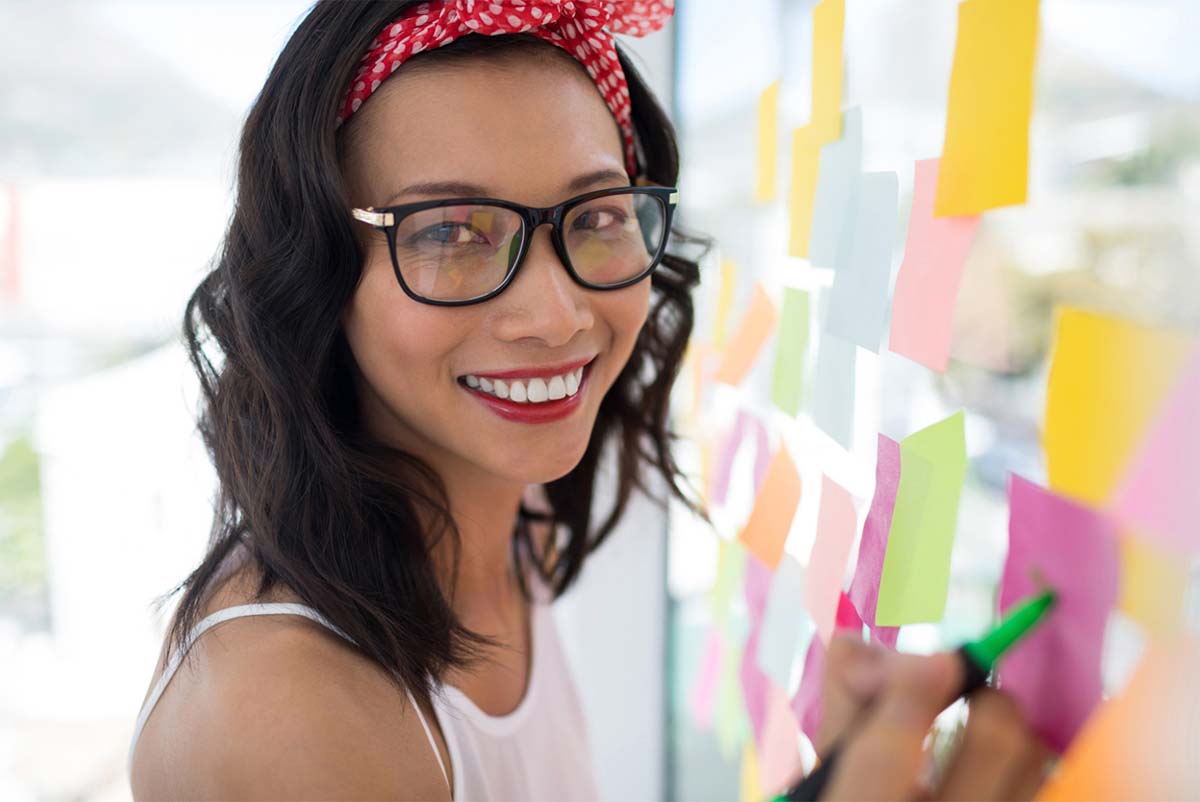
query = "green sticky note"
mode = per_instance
[
  {"x": 787, "y": 380},
  {"x": 733, "y": 723},
  {"x": 916, "y": 565},
  {"x": 731, "y": 566}
]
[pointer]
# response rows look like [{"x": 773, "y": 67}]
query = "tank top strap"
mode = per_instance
[{"x": 238, "y": 611}]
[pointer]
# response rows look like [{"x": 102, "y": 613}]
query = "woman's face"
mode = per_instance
[{"x": 521, "y": 132}]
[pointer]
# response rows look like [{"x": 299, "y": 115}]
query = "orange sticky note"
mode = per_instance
[
  {"x": 985, "y": 156},
  {"x": 1142, "y": 743},
  {"x": 757, "y": 324},
  {"x": 806, "y": 160},
  {"x": 767, "y": 528}
]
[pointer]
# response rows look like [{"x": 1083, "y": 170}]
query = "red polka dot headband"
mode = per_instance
[{"x": 581, "y": 27}]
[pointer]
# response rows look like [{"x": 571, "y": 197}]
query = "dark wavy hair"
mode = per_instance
[{"x": 320, "y": 506}]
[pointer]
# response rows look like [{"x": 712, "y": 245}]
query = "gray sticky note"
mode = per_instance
[
  {"x": 833, "y": 389},
  {"x": 837, "y": 175}
]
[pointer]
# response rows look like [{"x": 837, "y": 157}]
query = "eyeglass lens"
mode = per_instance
[{"x": 458, "y": 252}]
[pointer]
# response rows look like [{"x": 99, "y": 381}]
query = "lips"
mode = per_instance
[
  {"x": 534, "y": 412},
  {"x": 532, "y": 372}
]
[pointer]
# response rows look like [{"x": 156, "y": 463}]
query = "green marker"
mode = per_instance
[{"x": 978, "y": 658}]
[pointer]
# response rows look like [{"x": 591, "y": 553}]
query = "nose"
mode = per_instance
[{"x": 543, "y": 300}]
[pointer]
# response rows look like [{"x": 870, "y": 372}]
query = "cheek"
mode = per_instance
[{"x": 626, "y": 312}]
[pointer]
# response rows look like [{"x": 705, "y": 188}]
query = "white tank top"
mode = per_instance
[{"x": 539, "y": 751}]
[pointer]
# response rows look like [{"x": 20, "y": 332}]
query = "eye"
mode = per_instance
[
  {"x": 594, "y": 219},
  {"x": 450, "y": 234}
]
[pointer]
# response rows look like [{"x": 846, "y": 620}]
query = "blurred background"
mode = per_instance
[{"x": 118, "y": 130}]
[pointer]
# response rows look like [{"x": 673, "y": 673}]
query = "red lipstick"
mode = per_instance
[{"x": 533, "y": 412}]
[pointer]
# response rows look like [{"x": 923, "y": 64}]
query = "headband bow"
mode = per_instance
[{"x": 581, "y": 27}]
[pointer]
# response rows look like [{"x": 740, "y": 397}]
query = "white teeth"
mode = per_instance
[{"x": 529, "y": 391}]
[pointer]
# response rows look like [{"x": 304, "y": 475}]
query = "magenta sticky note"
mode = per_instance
[
  {"x": 705, "y": 686},
  {"x": 746, "y": 424},
  {"x": 1159, "y": 493},
  {"x": 930, "y": 273},
  {"x": 837, "y": 524},
  {"x": 1054, "y": 672},
  {"x": 754, "y": 686},
  {"x": 864, "y": 587},
  {"x": 847, "y": 616},
  {"x": 806, "y": 703}
]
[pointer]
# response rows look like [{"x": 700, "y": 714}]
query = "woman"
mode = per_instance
[{"x": 416, "y": 380}]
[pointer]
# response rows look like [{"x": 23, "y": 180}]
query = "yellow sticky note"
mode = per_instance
[
  {"x": 829, "y": 22},
  {"x": 985, "y": 155},
  {"x": 767, "y": 153},
  {"x": 766, "y": 529},
  {"x": 751, "y": 790},
  {"x": 1108, "y": 377},
  {"x": 757, "y": 324},
  {"x": 806, "y": 158},
  {"x": 1153, "y": 583},
  {"x": 724, "y": 302}
]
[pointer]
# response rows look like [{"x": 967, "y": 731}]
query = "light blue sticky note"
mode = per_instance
[
  {"x": 838, "y": 171},
  {"x": 858, "y": 300},
  {"x": 786, "y": 627},
  {"x": 833, "y": 389}
]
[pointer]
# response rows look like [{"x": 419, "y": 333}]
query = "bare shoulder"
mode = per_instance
[{"x": 279, "y": 707}]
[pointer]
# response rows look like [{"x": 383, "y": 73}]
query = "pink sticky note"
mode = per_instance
[
  {"x": 727, "y": 449},
  {"x": 754, "y": 686},
  {"x": 836, "y": 527},
  {"x": 864, "y": 587},
  {"x": 927, "y": 284},
  {"x": 1054, "y": 672},
  {"x": 705, "y": 687},
  {"x": 806, "y": 704},
  {"x": 757, "y": 577},
  {"x": 779, "y": 759},
  {"x": 847, "y": 616},
  {"x": 1158, "y": 495}
]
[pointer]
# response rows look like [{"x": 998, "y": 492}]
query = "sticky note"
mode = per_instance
[
  {"x": 985, "y": 154},
  {"x": 1108, "y": 377},
  {"x": 724, "y": 304},
  {"x": 732, "y": 726},
  {"x": 1141, "y": 744},
  {"x": 1153, "y": 583},
  {"x": 836, "y": 528},
  {"x": 833, "y": 389},
  {"x": 754, "y": 685},
  {"x": 786, "y": 627},
  {"x": 806, "y": 155},
  {"x": 731, "y": 567},
  {"x": 756, "y": 586},
  {"x": 829, "y": 22},
  {"x": 756, "y": 325},
  {"x": 847, "y": 617},
  {"x": 916, "y": 567},
  {"x": 767, "y": 153},
  {"x": 746, "y": 426},
  {"x": 930, "y": 273},
  {"x": 787, "y": 379},
  {"x": 806, "y": 704},
  {"x": 775, "y": 505},
  {"x": 864, "y": 587},
  {"x": 779, "y": 758},
  {"x": 705, "y": 685},
  {"x": 1054, "y": 671},
  {"x": 750, "y": 791},
  {"x": 838, "y": 170},
  {"x": 858, "y": 300},
  {"x": 1158, "y": 491}
]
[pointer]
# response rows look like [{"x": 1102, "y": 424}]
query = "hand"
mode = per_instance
[{"x": 884, "y": 704}]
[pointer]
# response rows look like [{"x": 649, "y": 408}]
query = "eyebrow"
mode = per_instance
[{"x": 464, "y": 189}]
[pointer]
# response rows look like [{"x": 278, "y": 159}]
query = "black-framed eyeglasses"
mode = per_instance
[{"x": 462, "y": 251}]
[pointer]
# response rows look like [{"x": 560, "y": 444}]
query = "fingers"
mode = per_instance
[
  {"x": 853, "y": 674},
  {"x": 883, "y": 758},
  {"x": 998, "y": 757}
]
